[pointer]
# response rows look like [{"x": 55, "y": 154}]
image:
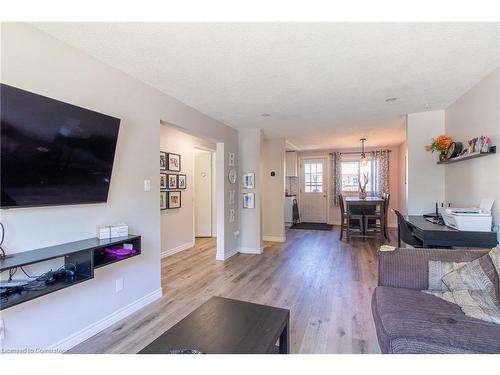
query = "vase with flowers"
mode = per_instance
[{"x": 440, "y": 144}]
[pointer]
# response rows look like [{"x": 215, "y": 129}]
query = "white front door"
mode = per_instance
[
  {"x": 202, "y": 193},
  {"x": 313, "y": 200}
]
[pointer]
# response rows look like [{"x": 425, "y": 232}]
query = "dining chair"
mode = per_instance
[
  {"x": 371, "y": 217},
  {"x": 405, "y": 233},
  {"x": 356, "y": 219}
]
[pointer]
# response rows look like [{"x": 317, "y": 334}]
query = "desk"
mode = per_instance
[
  {"x": 351, "y": 202},
  {"x": 436, "y": 235},
  {"x": 227, "y": 326}
]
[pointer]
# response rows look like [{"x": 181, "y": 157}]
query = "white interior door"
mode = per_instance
[
  {"x": 313, "y": 200},
  {"x": 202, "y": 193}
]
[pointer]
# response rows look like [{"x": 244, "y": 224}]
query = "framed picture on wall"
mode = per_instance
[
  {"x": 173, "y": 199},
  {"x": 248, "y": 200},
  {"x": 173, "y": 162},
  {"x": 163, "y": 200},
  {"x": 163, "y": 181},
  {"x": 163, "y": 161},
  {"x": 181, "y": 181},
  {"x": 249, "y": 181},
  {"x": 172, "y": 181}
]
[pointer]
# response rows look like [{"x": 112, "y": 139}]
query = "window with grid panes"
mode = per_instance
[{"x": 313, "y": 177}]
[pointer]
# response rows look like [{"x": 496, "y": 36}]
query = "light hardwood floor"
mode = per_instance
[{"x": 327, "y": 285}]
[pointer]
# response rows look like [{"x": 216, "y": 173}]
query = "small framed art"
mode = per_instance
[
  {"x": 163, "y": 161},
  {"x": 173, "y": 162},
  {"x": 249, "y": 181},
  {"x": 181, "y": 181},
  {"x": 172, "y": 181},
  {"x": 173, "y": 199},
  {"x": 248, "y": 200},
  {"x": 163, "y": 180},
  {"x": 163, "y": 200}
]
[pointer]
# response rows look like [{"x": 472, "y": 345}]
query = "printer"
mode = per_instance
[{"x": 470, "y": 219}]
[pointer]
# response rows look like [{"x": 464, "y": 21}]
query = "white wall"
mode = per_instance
[
  {"x": 177, "y": 225},
  {"x": 475, "y": 113},
  {"x": 273, "y": 190},
  {"x": 425, "y": 177},
  {"x": 35, "y": 61},
  {"x": 250, "y": 146}
]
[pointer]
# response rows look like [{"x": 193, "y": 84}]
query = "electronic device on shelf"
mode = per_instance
[{"x": 470, "y": 219}]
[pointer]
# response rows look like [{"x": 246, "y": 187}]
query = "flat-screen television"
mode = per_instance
[{"x": 53, "y": 153}]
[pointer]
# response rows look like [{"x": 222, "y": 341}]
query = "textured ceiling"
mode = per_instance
[{"x": 323, "y": 84}]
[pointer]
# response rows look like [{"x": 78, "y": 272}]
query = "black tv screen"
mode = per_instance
[{"x": 53, "y": 153}]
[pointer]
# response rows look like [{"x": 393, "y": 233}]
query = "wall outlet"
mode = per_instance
[
  {"x": 147, "y": 185},
  {"x": 119, "y": 284},
  {"x": 2, "y": 330},
  {"x": 236, "y": 234}
]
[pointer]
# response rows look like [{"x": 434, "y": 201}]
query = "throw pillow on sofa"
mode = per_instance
[
  {"x": 473, "y": 286},
  {"x": 437, "y": 270},
  {"x": 480, "y": 274}
]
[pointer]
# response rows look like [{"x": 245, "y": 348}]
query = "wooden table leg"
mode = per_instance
[
  {"x": 285, "y": 341},
  {"x": 348, "y": 224},
  {"x": 382, "y": 221}
]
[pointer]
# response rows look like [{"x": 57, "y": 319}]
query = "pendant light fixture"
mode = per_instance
[{"x": 363, "y": 160}]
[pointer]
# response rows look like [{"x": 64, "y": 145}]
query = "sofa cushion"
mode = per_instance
[
  {"x": 480, "y": 274},
  {"x": 437, "y": 270},
  {"x": 431, "y": 324}
]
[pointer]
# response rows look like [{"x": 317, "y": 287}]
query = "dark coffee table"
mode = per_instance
[{"x": 227, "y": 326}]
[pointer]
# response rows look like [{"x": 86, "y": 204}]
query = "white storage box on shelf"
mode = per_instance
[
  {"x": 119, "y": 230},
  {"x": 103, "y": 232}
]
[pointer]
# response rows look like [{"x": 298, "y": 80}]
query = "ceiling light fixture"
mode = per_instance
[
  {"x": 388, "y": 100},
  {"x": 265, "y": 115},
  {"x": 363, "y": 160}
]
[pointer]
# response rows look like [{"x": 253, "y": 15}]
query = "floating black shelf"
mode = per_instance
[
  {"x": 493, "y": 150},
  {"x": 101, "y": 258},
  {"x": 13, "y": 299},
  {"x": 85, "y": 256}
]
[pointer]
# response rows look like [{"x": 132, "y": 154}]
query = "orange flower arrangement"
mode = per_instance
[{"x": 439, "y": 144}]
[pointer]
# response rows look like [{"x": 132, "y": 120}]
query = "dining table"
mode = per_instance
[{"x": 361, "y": 204}]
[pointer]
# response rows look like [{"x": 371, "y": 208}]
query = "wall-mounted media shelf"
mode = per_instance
[
  {"x": 101, "y": 258},
  {"x": 86, "y": 255},
  {"x": 493, "y": 150}
]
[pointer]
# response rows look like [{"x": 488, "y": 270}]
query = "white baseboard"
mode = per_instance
[
  {"x": 226, "y": 256},
  {"x": 274, "y": 238},
  {"x": 250, "y": 250},
  {"x": 95, "y": 328},
  {"x": 177, "y": 249}
]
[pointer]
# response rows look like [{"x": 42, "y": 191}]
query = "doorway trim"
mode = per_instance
[{"x": 213, "y": 191}]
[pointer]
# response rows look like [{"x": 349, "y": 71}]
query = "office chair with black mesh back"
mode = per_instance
[{"x": 405, "y": 233}]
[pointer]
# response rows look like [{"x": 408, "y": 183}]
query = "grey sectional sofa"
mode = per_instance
[{"x": 409, "y": 321}]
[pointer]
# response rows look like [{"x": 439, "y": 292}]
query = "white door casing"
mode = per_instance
[
  {"x": 203, "y": 194},
  {"x": 313, "y": 190}
]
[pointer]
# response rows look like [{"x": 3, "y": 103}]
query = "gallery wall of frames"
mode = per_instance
[{"x": 172, "y": 182}]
